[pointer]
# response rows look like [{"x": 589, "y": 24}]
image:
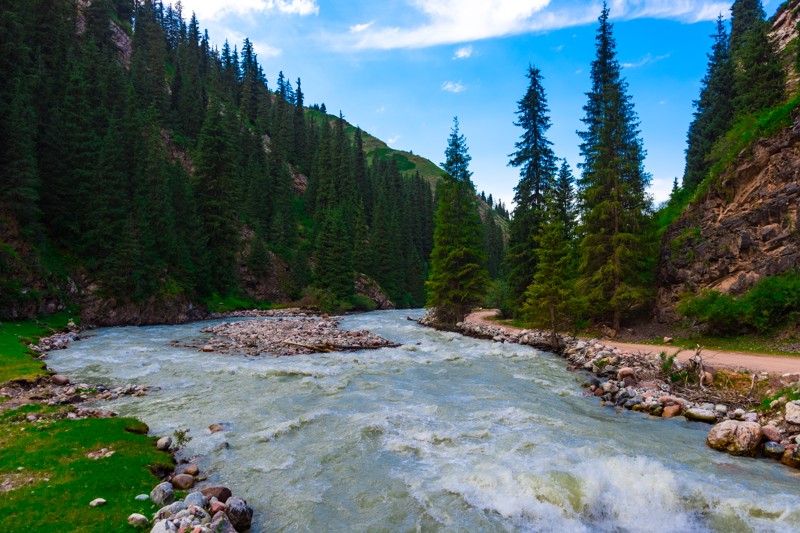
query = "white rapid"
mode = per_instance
[{"x": 445, "y": 433}]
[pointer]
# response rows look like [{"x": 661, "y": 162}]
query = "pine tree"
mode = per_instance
[
  {"x": 536, "y": 161},
  {"x": 745, "y": 15},
  {"x": 334, "y": 256},
  {"x": 458, "y": 277},
  {"x": 759, "y": 79},
  {"x": 614, "y": 204},
  {"x": 563, "y": 201},
  {"x": 713, "y": 114}
]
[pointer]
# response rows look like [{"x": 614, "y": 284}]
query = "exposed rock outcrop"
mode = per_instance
[
  {"x": 368, "y": 287},
  {"x": 745, "y": 229}
]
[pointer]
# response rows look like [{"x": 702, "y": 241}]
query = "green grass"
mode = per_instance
[
  {"x": 758, "y": 344},
  {"x": 16, "y": 360},
  {"x": 55, "y": 480}
]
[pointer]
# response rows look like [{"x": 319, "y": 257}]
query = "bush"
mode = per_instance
[
  {"x": 772, "y": 302},
  {"x": 362, "y": 303}
]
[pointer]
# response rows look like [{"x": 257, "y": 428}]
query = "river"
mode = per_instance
[{"x": 445, "y": 433}]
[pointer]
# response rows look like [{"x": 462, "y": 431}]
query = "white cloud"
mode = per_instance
[
  {"x": 360, "y": 27},
  {"x": 381, "y": 109},
  {"x": 453, "y": 87},
  {"x": 262, "y": 50},
  {"x": 208, "y": 10},
  {"x": 646, "y": 60},
  {"x": 458, "y": 21},
  {"x": 559, "y": 48},
  {"x": 393, "y": 140},
  {"x": 465, "y": 52}
]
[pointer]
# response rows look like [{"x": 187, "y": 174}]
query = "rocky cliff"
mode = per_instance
[{"x": 745, "y": 229}]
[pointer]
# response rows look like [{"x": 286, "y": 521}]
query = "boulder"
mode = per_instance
[
  {"x": 735, "y": 437},
  {"x": 170, "y": 510},
  {"x": 164, "y": 443},
  {"x": 771, "y": 433},
  {"x": 220, "y": 493},
  {"x": 197, "y": 499},
  {"x": 793, "y": 412},
  {"x": 59, "y": 380},
  {"x": 791, "y": 457},
  {"x": 671, "y": 411},
  {"x": 221, "y": 524},
  {"x": 700, "y": 415},
  {"x": 239, "y": 513},
  {"x": 774, "y": 450},
  {"x": 183, "y": 481},
  {"x": 138, "y": 520},
  {"x": 161, "y": 527},
  {"x": 163, "y": 494}
]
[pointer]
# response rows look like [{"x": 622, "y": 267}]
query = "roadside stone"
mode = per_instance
[
  {"x": 164, "y": 443},
  {"x": 220, "y": 493},
  {"x": 735, "y": 437},
  {"x": 197, "y": 499},
  {"x": 97, "y": 502},
  {"x": 163, "y": 494},
  {"x": 221, "y": 524},
  {"x": 793, "y": 412},
  {"x": 239, "y": 513},
  {"x": 774, "y": 450},
  {"x": 700, "y": 415},
  {"x": 59, "y": 380},
  {"x": 183, "y": 481},
  {"x": 138, "y": 520}
]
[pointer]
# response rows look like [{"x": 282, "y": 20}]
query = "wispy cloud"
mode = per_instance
[
  {"x": 465, "y": 52},
  {"x": 214, "y": 9},
  {"x": 646, "y": 60},
  {"x": 453, "y": 87},
  {"x": 459, "y": 21},
  {"x": 357, "y": 28},
  {"x": 381, "y": 109},
  {"x": 393, "y": 140}
]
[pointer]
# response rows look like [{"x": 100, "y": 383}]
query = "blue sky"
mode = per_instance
[{"x": 402, "y": 69}]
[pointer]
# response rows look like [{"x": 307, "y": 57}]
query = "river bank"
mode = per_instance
[{"x": 663, "y": 386}]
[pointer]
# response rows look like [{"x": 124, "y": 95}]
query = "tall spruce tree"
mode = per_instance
[
  {"x": 537, "y": 163},
  {"x": 458, "y": 277},
  {"x": 745, "y": 15},
  {"x": 713, "y": 114},
  {"x": 759, "y": 77},
  {"x": 614, "y": 204}
]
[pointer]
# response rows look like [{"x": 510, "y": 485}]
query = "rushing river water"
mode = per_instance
[{"x": 445, "y": 433}]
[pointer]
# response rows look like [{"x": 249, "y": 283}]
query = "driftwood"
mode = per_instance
[
  {"x": 320, "y": 348},
  {"x": 328, "y": 347}
]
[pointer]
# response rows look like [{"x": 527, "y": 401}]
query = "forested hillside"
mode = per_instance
[{"x": 144, "y": 170}]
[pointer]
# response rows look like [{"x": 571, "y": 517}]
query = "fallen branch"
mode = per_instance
[{"x": 321, "y": 348}]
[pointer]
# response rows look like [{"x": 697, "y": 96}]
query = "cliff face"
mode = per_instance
[{"x": 744, "y": 230}]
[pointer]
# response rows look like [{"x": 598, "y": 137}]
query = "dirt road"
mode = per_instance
[{"x": 774, "y": 364}]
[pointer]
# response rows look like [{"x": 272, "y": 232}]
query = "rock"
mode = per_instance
[
  {"x": 197, "y": 499},
  {"x": 138, "y": 520},
  {"x": 164, "y": 443},
  {"x": 239, "y": 513},
  {"x": 163, "y": 494},
  {"x": 791, "y": 457},
  {"x": 170, "y": 510},
  {"x": 738, "y": 413},
  {"x": 161, "y": 527},
  {"x": 708, "y": 378},
  {"x": 625, "y": 372},
  {"x": 97, "y": 502},
  {"x": 793, "y": 412},
  {"x": 191, "y": 469},
  {"x": 750, "y": 416},
  {"x": 208, "y": 348},
  {"x": 671, "y": 411},
  {"x": 220, "y": 493},
  {"x": 216, "y": 428},
  {"x": 771, "y": 433},
  {"x": 700, "y": 415},
  {"x": 183, "y": 481},
  {"x": 59, "y": 380},
  {"x": 667, "y": 340},
  {"x": 221, "y": 524},
  {"x": 774, "y": 450},
  {"x": 217, "y": 506},
  {"x": 721, "y": 409},
  {"x": 142, "y": 497},
  {"x": 735, "y": 437}
]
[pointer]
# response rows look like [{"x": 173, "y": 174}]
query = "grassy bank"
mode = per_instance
[{"x": 48, "y": 469}]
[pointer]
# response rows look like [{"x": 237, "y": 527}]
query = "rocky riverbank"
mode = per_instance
[
  {"x": 662, "y": 387},
  {"x": 285, "y": 336}
]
